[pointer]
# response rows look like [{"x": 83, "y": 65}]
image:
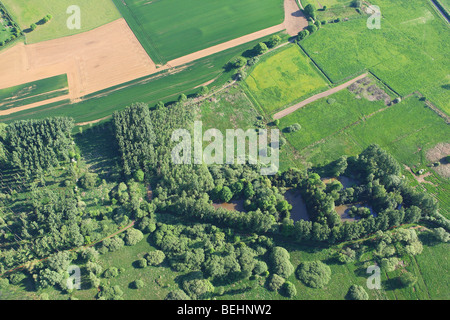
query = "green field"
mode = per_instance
[
  {"x": 170, "y": 29},
  {"x": 284, "y": 77},
  {"x": 33, "y": 92},
  {"x": 408, "y": 52},
  {"x": 26, "y": 12},
  {"x": 403, "y": 130},
  {"x": 324, "y": 117}
]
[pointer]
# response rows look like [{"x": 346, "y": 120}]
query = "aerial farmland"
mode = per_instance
[{"x": 240, "y": 150}]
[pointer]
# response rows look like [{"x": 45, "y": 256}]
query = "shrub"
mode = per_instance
[
  {"x": 275, "y": 282},
  {"x": 260, "y": 48},
  {"x": 293, "y": 128},
  {"x": 289, "y": 289},
  {"x": 302, "y": 34},
  {"x": 274, "y": 41},
  {"x": 133, "y": 236},
  {"x": 141, "y": 263},
  {"x": 280, "y": 262},
  {"x": 111, "y": 272},
  {"x": 441, "y": 235},
  {"x": 33, "y": 27},
  {"x": 138, "y": 284},
  {"x": 155, "y": 258},
  {"x": 139, "y": 175},
  {"x": 260, "y": 268},
  {"x": 177, "y": 295},
  {"x": 239, "y": 62},
  {"x": 407, "y": 279},
  {"x": 314, "y": 274},
  {"x": 356, "y": 292}
]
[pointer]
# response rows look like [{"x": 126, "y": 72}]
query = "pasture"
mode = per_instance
[
  {"x": 283, "y": 77},
  {"x": 26, "y": 12},
  {"x": 408, "y": 52},
  {"x": 327, "y": 116},
  {"x": 171, "y": 29},
  {"x": 33, "y": 92}
]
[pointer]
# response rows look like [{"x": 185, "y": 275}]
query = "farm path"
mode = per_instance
[{"x": 321, "y": 95}]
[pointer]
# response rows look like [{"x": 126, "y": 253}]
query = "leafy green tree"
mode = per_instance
[
  {"x": 289, "y": 289},
  {"x": 309, "y": 10},
  {"x": 261, "y": 48},
  {"x": 177, "y": 295},
  {"x": 155, "y": 258},
  {"x": 138, "y": 284},
  {"x": 314, "y": 274},
  {"x": 280, "y": 262},
  {"x": 133, "y": 236},
  {"x": 226, "y": 195},
  {"x": 139, "y": 175},
  {"x": 356, "y": 292},
  {"x": 275, "y": 282},
  {"x": 274, "y": 41},
  {"x": 239, "y": 62},
  {"x": 441, "y": 235},
  {"x": 302, "y": 34},
  {"x": 407, "y": 279}
]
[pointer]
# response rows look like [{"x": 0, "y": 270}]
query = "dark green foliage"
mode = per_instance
[
  {"x": 133, "y": 236},
  {"x": 302, "y": 34},
  {"x": 314, "y": 274},
  {"x": 138, "y": 284},
  {"x": 260, "y": 48},
  {"x": 177, "y": 295},
  {"x": 155, "y": 258},
  {"x": 135, "y": 138},
  {"x": 407, "y": 279},
  {"x": 280, "y": 262},
  {"x": 275, "y": 282},
  {"x": 110, "y": 293},
  {"x": 289, "y": 290},
  {"x": 38, "y": 145},
  {"x": 356, "y": 292},
  {"x": 274, "y": 41},
  {"x": 111, "y": 272}
]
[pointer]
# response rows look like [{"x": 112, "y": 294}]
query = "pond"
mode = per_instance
[
  {"x": 298, "y": 211},
  {"x": 235, "y": 205}
]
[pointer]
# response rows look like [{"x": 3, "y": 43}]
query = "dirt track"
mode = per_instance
[
  {"x": 107, "y": 56},
  {"x": 321, "y": 95}
]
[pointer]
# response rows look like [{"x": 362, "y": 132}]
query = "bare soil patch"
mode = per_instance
[
  {"x": 438, "y": 154},
  {"x": 93, "y": 61}
]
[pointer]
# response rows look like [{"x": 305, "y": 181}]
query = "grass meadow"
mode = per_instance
[
  {"x": 409, "y": 52},
  {"x": 283, "y": 77},
  {"x": 33, "y": 92},
  {"x": 26, "y": 12},
  {"x": 171, "y": 29}
]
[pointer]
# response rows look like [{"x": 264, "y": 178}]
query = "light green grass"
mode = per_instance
[
  {"x": 329, "y": 3},
  {"x": 324, "y": 117},
  {"x": 26, "y": 12},
  {"x": 408, "y": 52},
  {"x": 402, "y": 130},
  {"x": 284, "y": 77},
  {"x": 170, "y": 29},
  {"x": 33, "y": 92}
]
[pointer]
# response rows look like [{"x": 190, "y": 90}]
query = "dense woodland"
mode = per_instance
[{"x": 192, "y": 235}]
